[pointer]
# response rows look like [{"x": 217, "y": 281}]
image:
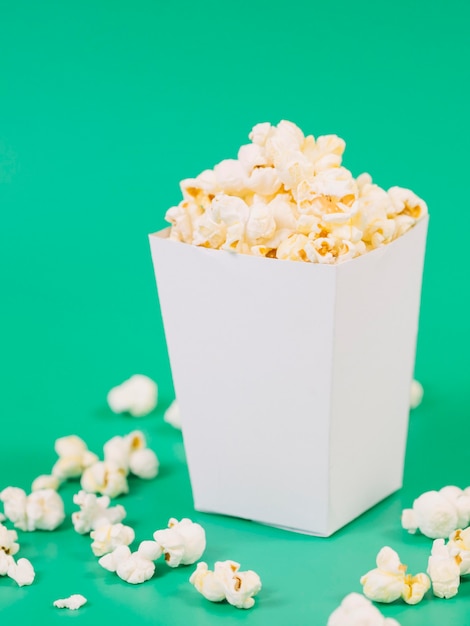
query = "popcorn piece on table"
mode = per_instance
[
  {"x": 182, "y": 543},
  {"x": 356, "y": 610},
  {"x": 459, "y": 547},
  {"x": 105, "y": 478},
  {"x": 8, "y": 543},
  {"x": 227, "y": 582},
  {"x": 416, "y": 394},
  {"x": 108, "y": 537},
  {"x": 388, "y": 581},
  {"x": 95, "y": 512},
  {"x": 73, "y": 602},
  {"x": 74, "y": 457},
  {"x": 172, "y": 415},
  {"x": 130, "y": 453},
  {"x": 133, "y": 567},
  {"x": 46, "y": 481},
  {"x": 21, "y": 571},
  {"x": 138, "y": 396},
  {"x": 437, "y": 513},
  {"x": 443, "y": 570},
  {"x": 41, "y": 510}
]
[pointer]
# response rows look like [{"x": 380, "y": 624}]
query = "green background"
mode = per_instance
[{"x": 104, "y": 107}]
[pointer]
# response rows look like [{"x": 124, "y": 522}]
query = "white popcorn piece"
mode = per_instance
[
  {"x": 45, "y": 481},
  {"x": 389, "y": 580},
  {"x": 459, "y": 547},
  {"x": 73, "y": 602},
  {"x": 416, "y": 394},
  {"x": 74, "y": 457},
  {"x": 227, "y": 582},
  {"x": 443, "y": 570},
  {"x": 105, "y": 478},
  {"x": 231, "y": 176},
  {"x": 144, "y": 463},
  {"x": 182, "y": 543},
  {"x": 5, "y": 561},
  {"x": 8, "y": 543},
  {"x": 138, "y": 396},
  {"x": 172, "y": 415},
  {"x": 22, "y": 572},
  {"x": 407, "y": 203},
  {"x": 436, "y": 514},
  {"x": 132, "y": 567},
  {"x": 108, "y": 537},
  {"x": 356, "y": 610},
  {"x": 95, "y": 512},
  {"x": 41, "y": 510}
]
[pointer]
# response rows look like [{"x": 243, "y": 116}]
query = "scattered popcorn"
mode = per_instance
[
  {"x": 109, "y": 537},
  {"x": 133, "y": 567},
  {"x": 137, "y": 396},
  {"x": 459, "y": 547},
  {"x": 95, "y": 512},
  {"x": 437, "y": 513},
  {"x": 41, "y": 510},
  {"x": 356, "y": 610},
  {"x": 388, "y": 581},
  {"x": 227, "y": 582},
  {"x": 73, "y": 602},
  {"x": 22, "y": 572},
  {"x": 173, "y": 415},
  {"x": 443, "y": 570},
  {"x": 74, "y": 457},
  {"x": 130, "y": 453},
  {"x": 45, "y": 481},
  {"x": 328, "y": 216},
  {"x": 182, "y": 543},
  {"x": 416, "y": 395},
  {"x": 105, "y": 478},
  {"x": 8, "y": 543}
]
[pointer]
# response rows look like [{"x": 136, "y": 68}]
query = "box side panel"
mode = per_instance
[
  {"x": 376, "y": 327},
  {"x": 250, "y": 345}
]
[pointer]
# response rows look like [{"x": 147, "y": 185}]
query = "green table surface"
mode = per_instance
[{"x": 104, "y": 107}]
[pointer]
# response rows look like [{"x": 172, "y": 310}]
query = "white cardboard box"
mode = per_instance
[{"x": 293, "y": 379}]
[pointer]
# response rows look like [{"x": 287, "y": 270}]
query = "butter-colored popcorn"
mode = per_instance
[
  {"x": 46, "y": 481},
  {"x": 8, "y": 543},
  {"x": 74, "y": 457},
  {"x": 459, "y": 547},
  {"x": 133, "y": 567},
  {"x": 137, "y": 396},
  {"x": 231, "y": 176},
  {"x": 438, "y": 513},
  {"x": 356, "y": 610},
  {"x": 172, "y": 415},
  {"x": 389, "y": 580},
  {"x": 182, "y": 543},
  {"x": 41, "y": 510},
  {"x": 443, "y": 570},
  {"x": 73, "y": 602},
  {"x": 105, "y": 478},
  {"x": 130, "y": 453},
  {"x": 416, "y": 394},
  {"x": 227, "y": 582},
  {"x": 95, "y": 512},
  {"x": 108, "y": 537}
]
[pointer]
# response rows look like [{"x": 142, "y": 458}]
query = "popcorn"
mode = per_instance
[
  {"x": 73, "y": 602},
  {"x": 8, "y": 544},
  {"x": 130, "y": 453},
  {"x": 182, "y": 543},
  {"x": 133, "y": 567},
  {"x": 95, "y": 512},
  {"x": 74, "y": 457},
  {"x": 41, "y": 510},
  {"x": 437, "y": 513},
  {"x": 137, "y": 396},
  {"x": 105, "y": 478},
  {"x": 355, "y": 610},
  {"x": 107, "y": 538},
  {"x": 45, "y": 481},
  {"x": 388, "y": 581},
  {"x": 459, "y": 547},
  {"x": 22, "y": 572},
  {"x": 172, "y": 415},
  {"x": 230, "y": 207},
  {"x": 416, "y": 394},
  {"x": 443, "y": 570},
  {"x": 226, "y": 581}
]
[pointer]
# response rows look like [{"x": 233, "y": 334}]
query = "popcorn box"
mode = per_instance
[{"x": 293, "y": 378}]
